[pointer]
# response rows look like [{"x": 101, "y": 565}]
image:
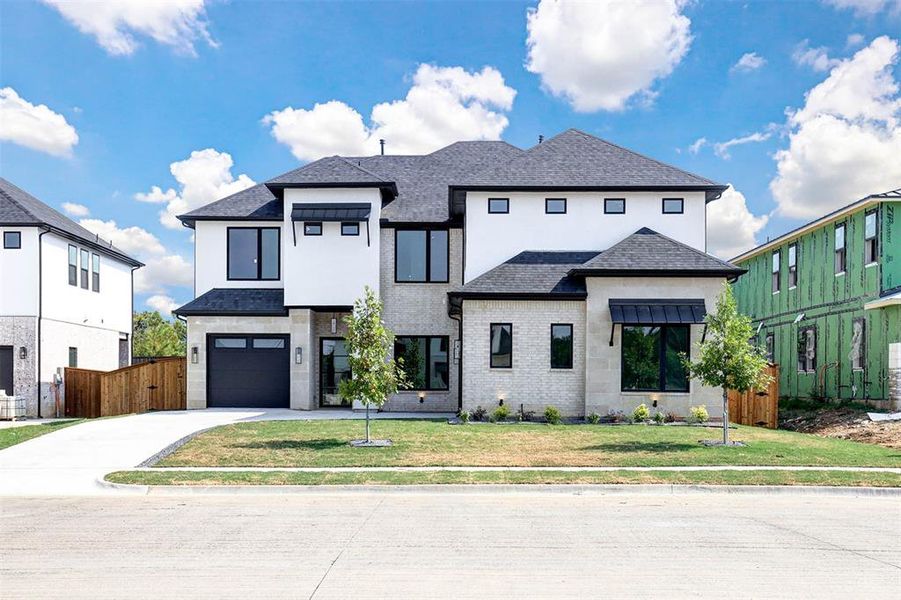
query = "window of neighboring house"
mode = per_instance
[
  {"x": 350, "y": 229},
  {"x": 312, "y": 228},
  {"x": 652, "y": 358},
  {"x": 420, "y": 256},
  {"x": 561, "y": 346},
  {"x": 425, "y": 361},
  {"x": 858, "y": 353},
  {"x": 95, "y": 272},
  {"x": 73, "y": 265},
  {"x": 12, "y": 240},
  {"x": 253, "y": 253},
  {"x": 870, "y": 243},
  {"x": 792, "y": 266},
  {"x": 614, "y": 206},
  {"x": 85, "y": 259},
  {"x": 498, "y": 206},
  {"x": 555, "y": 206},
  {"x": 73, "y": 357},
  {"x": 807, "y": 350},
  {"x": 777, "y": 267},
  {"x": 840, "y": 248},
  {"x": 501, "y": 345},
  {"x": 771, "y": 347},
  {"x": 673, "y": 206}
]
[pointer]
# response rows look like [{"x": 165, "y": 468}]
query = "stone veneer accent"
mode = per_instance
[
  {"x": 531, "y": 382},
  {"x": 21, "y": 332}
]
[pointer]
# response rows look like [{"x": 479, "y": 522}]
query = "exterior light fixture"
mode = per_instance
[
  {"x": 23, "y": 352},
  {"x": 421, "y": 397},
  {"x": 298, "y": 355},
  {"x": 500, "y": 399},
  {"x": 334, "y": 325},
  {"x": 195, "y": 355}
]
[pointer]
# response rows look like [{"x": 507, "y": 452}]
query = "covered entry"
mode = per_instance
[{"x": 248, "y": 371}]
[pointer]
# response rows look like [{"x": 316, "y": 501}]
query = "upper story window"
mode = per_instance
[
  {"x": 12, "y": 240},
  {"x": 350, "y": 228},
  {"x": 562, "y": 346},
  {"x": 840, "y": 257},
  {"x": 777, "y": 266},
  {"x": 501, "y": 346},
  {"x": 870, "y": 244},
  {"x": 95, "y": 272},
  {"x": 614, "y": 206},
  {"x": 555, "y": 206},
  {"x": 73, "y": 265},
  {"x": 792, "y": 265},
  {"x": 253, "y": 253},
  {"x": 498, "y": 206},
  {"x": 85, "y": 259},
  {"x": 652, "y": 358},
  {"x": 673, "y": 206},
  {"x": 420, "y": 256},
  {"x": 312, "y": 228}
]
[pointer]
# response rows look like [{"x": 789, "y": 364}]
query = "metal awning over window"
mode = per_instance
[
  {"x": 343, "y": 211},
  {"x": 656, "y": 312}
]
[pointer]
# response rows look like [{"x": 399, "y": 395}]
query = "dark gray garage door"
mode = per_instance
[{"x": 248, "y": 371}]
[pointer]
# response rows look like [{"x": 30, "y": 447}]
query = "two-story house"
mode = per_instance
[
  {"x": 826, "y": 302},
  {"x": 65, "y": 299},
  {"x": 571, "y": 274}
]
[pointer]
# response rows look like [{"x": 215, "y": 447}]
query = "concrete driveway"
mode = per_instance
[{"x": 70, "y": 461}]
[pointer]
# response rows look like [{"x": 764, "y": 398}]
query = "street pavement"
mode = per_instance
[{"x": 477, "y": 543}]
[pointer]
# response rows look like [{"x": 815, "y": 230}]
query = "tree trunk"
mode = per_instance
[
  {"x": 367, "y": 422},
  {"x": 725, "y": 417}
]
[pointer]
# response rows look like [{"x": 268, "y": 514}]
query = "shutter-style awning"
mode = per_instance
[
  {"x": 339, "y": 211},
  {"x": 657, "y": 312}
]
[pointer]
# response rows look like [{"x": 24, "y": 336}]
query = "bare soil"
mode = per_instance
[{"x": 847, "y": 423}]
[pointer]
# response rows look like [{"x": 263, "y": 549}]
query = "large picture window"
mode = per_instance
[
  {"x": 501, "y": 345},
  {"x": 420, "y": 256},
  {"x": 561, "y": 346},
  {"x": 425, "y": 361},
  {"x": 253, "y": 253},
  {"x": 652, "y": 358}
]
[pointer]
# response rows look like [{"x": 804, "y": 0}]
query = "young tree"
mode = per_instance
[
  {"x": 374, "y": 374},
  {"x": 726, "y": 358},
  {"x": 155, "y": 336}
]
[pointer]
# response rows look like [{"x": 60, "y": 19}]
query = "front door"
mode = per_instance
[
  {"x": 333, "y": 368},
  {"x": 6, "y": 369}
]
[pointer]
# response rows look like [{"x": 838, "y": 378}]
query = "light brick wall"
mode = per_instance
[{"x": 531, "y": 382}]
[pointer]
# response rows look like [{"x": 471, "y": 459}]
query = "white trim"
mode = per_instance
[{"x": 882, "y": 302}]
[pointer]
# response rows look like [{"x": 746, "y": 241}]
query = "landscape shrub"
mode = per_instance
[
  {"x": 552, "y": 415},
  {"x": 501, "y": 413},
  {"x": 593, "y": 418},
  {"x": 699, "y": 414},
  {"x": 464, "y": 416},
  {"x": 478, "y": 414},
  {"x": 659, "y": 418},
  {"x": 641, "y": 413},
  {"x": 670, "y": 417},
  {"x": 616, "y": 416}
]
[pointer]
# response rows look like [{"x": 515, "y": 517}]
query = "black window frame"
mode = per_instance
[
  {"x": 428, "y": 255},
  {"x": 572, "y": 345},
  {"x": 7, "y": 236},
  {"x": 770, "y": 347},
  {"x": 506, "y": 210},
  {"x": 614, "y": 212},
  {"x": 85, "y": 257},
  {"x": 871, "y": 243},
  {"x": 491, "y": 354},
  {"x": 802, "y": 334},
  {"x": 354, "y": 224},
  {"x": 73, "y": 357},
  {"x": 95, "y": 272},
  {"x": 73, "y": 266},
  {"x": 776, "y": 269},
  {"x": 428, "y": 363},
  {"x": 259, "y": 277},
  {"x": 792, "y": 265},
  {"x": 317, "y": 224},
  {"x": 661, "y": 364},
  {"x": 840, "y": 255},
  {"x": 547, "y": 206},
  {"x": 681, "y": 210}
]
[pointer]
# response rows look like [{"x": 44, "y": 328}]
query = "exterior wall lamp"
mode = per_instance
[
  {"x": 500, "y": 399},
  {"x": 23, "y": 352},
  {"x": 298, "y": 355},
  {"x": 421, "y": 397},
  {"x": 195, "y": 355},
  {"x": 334, "y": 325}
]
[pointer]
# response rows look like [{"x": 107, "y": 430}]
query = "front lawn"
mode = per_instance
[
  {"x": 434, "y": 443},
  {"x": 10, "y": 436}
]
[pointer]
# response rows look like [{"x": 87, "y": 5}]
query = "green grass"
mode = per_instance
[
  {"x": 11, "y": 436},
  {"x": 435, "y": 443},
  {"x": 189, "y": 478}
]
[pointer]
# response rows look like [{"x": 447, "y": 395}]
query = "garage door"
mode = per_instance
[{"x": 248, "y": 371}]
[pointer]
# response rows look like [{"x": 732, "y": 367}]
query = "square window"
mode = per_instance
[
  {"x": 501, "y": 346},
  {"x": 12, "y": 240},
  {"x": 555, "y": 206},
  {"x": 350, "y": 229},
  {"x": 498, "y": 206},
  {"x": 614, "y": 206},
  {"x": 253, "y": 253},
  {"x": 673, "y": 206},
  {"x": 312, "y": 228}
]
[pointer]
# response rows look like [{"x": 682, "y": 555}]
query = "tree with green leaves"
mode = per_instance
[
  {"x": 374, "y": 374},
  {"x": 726, "y": 358},
  {"x": 155, "y": 336}
]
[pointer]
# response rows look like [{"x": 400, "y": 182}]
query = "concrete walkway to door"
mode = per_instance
[{"x": 72, "y": 460}]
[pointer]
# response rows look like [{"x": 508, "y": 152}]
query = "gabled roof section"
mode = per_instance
[
  {"x": 530, "y": 274},
  {"x": 18, "y": 207},
  {"x": 236, "y": 302},
  {"x": 331, "y": 170},
  {"x": 647, "y": 253},
  {"x": 256, "y": 203}
]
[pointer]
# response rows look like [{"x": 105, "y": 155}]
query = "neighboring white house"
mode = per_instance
[
  {"x": 65, "y": 299},
  {"x": 571, "y": 274}
]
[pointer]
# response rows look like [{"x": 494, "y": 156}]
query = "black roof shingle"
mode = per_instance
[
  {"x": 530, "y": 274},
  {"x": 237, "y": 302}
]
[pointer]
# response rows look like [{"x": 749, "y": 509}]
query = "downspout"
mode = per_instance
[
  {"x": 459, "y": 320},
  {"x": 40, "y": 310},
  {"x": 131, "y": 334}
]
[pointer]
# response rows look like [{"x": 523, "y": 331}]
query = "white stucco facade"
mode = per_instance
[{"x": 211, "y": 256}]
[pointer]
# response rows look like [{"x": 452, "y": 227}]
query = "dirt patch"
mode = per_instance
[{"x": 845, "y": 423}]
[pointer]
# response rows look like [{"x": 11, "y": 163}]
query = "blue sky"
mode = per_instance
[{"x": 144, "y": 88}]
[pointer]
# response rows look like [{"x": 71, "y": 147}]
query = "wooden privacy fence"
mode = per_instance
[
  {"x": 156, "y": 385},
  {"x": 757, "y": 407}
]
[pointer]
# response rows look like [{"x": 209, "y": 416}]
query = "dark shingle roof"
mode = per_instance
[
  {"x": 256, "y": 203},
  {"x": 18, "y": 207},
  {"x": 245, "y": 301},
  {"x": 328, "y": 170},
  {"x": 530, "y": 273},
  {"x": 647, "y": 251}
]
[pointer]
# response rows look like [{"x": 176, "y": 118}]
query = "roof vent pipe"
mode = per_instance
[
  {"x": 540, "y": 138},
  {"x": 382, "y": 144}
]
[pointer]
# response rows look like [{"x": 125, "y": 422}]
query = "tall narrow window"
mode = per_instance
[
  {"x": 421, "y": 256},
  {"x": 73, "y": 265},
  {"x": 73, "y": 357},
  {"x": 95, "y": 272},
  {"x": 253, "y": 253},
  {"x": 840, "y": 248},
  {"x": 792, "y": 266},
  {"x": 501, "y": 345},
  {"x": 870, "y": 243},
  {"x": 561, "y": 346},
  {"x": 771, "y": 347},
  {"x": 807, "y": 350},
  {"x": 858, "y": 344},
  {"x": 85, "y": 259},
  {"x": 777, "y": 266},
  {"x": 652, "y": 358}
]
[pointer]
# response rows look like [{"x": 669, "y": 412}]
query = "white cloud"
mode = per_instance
[
  {"x": 721, "y": 149},
  {"x": 815, "y": 58},
  {"x": 601, "y": 55},
  {"x": 731, "y": 227},
  {"x": 161, "y": 272},
  {"x": 76, "y": 210},
  {"x": 696, "y": 146},
  {"x": 866, "y": 8},
  {"x": 163, "y": 304},
  {"x": 854, "y": 39},
  {"x": 117, "y": 24},
  {"x": 203, "y": 177},
  {"x": 845, "y": 142},
  {"x": 444, "y": 105},
  {"x": 34, "y": 126},
  {"x": 131, "y": 240},
  {"x": 750, "y": 61}
]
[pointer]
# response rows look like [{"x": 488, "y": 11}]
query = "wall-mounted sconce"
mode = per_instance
[
  {"x": 298, "y": 355},
  {"x": 500, "y": 399},
  {"x": 421, "y": 397},
  {"x": 334, "y": 325},
  {"x": 195, "y": 355},
  {"x": 23, "y": 352},
  {"x": 457, "y": 349}
]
